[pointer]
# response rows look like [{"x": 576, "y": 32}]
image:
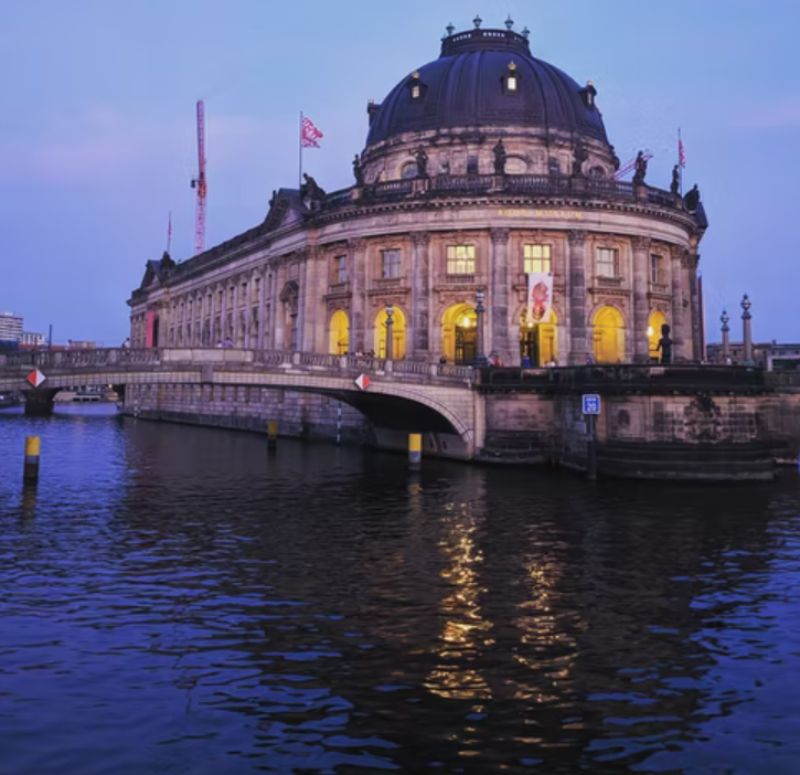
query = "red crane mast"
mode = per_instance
[{"x": 199, "y": 183}]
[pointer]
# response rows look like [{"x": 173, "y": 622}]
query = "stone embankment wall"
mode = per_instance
[
  {"x": 682, "y": 436},
  {"x": 305, "y": 415}
]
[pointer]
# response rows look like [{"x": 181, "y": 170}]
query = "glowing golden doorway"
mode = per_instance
[
  {"x": 460, "y": 334},
  {"x": 609, "y": 336},
  {"x": 339, "y": 333},
  {"x": 654, "y": 323},
  {"x": 398, "y": 334},
  {"x": 538, "y": 343}
]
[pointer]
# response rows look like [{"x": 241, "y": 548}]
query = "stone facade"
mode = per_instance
[{"x": 422, "y": 239}]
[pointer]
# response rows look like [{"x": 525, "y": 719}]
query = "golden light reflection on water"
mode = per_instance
[
  {"x": 547, "y": 649},
  {"x": 465, "y": 633}
]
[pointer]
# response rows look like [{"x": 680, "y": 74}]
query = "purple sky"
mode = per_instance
[{"x": 97, "y": 138}]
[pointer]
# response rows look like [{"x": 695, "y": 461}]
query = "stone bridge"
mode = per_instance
[{"x": 402, "y": 395}]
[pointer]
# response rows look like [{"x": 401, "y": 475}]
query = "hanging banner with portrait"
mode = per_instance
[{"x": 540, "y": 298}]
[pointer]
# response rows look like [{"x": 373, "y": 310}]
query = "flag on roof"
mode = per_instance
[
  {"x": 681, "y": 151},
  {"x": 309, "y": 134}
]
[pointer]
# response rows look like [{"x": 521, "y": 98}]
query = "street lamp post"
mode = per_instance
[
  {"x": 389, "y": 332},
  {"x": 480, "y": 355},
  {"x": 726, "y": 339},
  {"x": 747, "y": 337}
]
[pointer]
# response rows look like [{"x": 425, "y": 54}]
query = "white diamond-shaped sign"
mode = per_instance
[
  {"x": 36, "y": 378},
  {"x": 362, "y": 381}
]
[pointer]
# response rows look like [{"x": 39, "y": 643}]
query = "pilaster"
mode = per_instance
[
  {"x": 498, "y": 299},
  {"x": 420, "y": 303},
  {"x": 578, "y": 352},
  {"x": 356, "y": 251},
  {"x": 641, "y": 307}
]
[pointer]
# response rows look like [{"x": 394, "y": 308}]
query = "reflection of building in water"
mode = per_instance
[{"x": 482, "y": 168}]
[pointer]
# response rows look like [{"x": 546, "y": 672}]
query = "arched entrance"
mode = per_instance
[
  {"x": 339, "y": 333},
  {"x": 655, "y": 321},
  {"x": 460, "y": 333},
  {"x": 609, "y": 335},
  {"x": 398, "y": 334},
  {"x": 539, "y": 342}
]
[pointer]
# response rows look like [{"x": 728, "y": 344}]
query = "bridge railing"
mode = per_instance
[{"x": 125, "y": 359}]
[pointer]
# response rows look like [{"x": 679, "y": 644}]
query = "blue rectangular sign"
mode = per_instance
[{"x": 591, "y": 403}]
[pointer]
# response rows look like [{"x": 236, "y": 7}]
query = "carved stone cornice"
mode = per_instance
[
  {"x": 576, "y": 237},
  {"x": 499, "y": 236}
]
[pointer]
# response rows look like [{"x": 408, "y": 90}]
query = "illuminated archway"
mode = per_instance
[
  {"x": 539, "y": 342},
  {"x": 460, "y": 333},
  {"x": 609, "y": 335},
  {"x": 398, "y": 334},
  {"x": 654, "y": 323},
  {"x": 339, "y": 333}
]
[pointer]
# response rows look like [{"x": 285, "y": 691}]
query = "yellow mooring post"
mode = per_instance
[
  {"x": 414, "y": 450},
  {"x": 272, "y": 434},
  {"x": 30, "y": 471}
]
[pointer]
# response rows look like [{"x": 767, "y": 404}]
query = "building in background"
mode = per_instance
[
  {"x": 33, "y": 339},
  {"x": 485, "y": 214},
  {"x": 10, "y": 327}
]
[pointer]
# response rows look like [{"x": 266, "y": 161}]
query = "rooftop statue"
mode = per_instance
[
  {"x": 674, "y": 186},
  {"x": 500, "y": 157},
  {"x": 311, "y": 189},
  {"x": 580, "y": 155},
  {"x": 640, "y": 169},
  {"x": 358, "y": 173},
  {"x": 422, "y": 162},
  {"x": 692, "y": 199}
]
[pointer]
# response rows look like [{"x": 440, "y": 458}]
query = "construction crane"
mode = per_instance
[
  {"x": 199, "y": 183},
  {"x": 630, "y": 165}
]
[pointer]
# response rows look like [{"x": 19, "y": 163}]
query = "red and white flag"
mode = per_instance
[
  {"x": 309, "y": 134},
  {"x": 681, "y": 151}
]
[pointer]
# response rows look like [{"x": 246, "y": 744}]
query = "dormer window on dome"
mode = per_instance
[
  {"x": 416, "y": 88},
  {"x": 588, "y": 93},
  {"x": 511, "y": 79}
]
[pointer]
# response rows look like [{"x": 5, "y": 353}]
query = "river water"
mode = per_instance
[{"x": 177, "y": 600}]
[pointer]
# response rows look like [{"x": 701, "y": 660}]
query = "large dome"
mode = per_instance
[{"x": 465, "y": 87}]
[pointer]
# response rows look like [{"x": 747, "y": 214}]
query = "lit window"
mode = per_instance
[
  {"x": 607, "y": 265},
  {"x": 655, "y": 269},
  {"x": 416, "y": 88},
  {"x": 537, "y": 258},
  {"x": 390, "y": 263},
  {"x": 340, "y": 269},
  {"x": 460, "y": 259},
  {"x": 510, "y": 79}
]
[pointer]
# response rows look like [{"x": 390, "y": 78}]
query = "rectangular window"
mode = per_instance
[
  {"x": 607, "y": 264},
  {"x": 656, "y": 271},
  {"x": 340, "y": 269},
  {"x": 460, "y": 259},
  {"x": 390, "y": 263},
  {"x": 537, "y": 258}
]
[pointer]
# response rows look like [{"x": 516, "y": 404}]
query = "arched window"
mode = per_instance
[
  {"x": 398, "y": 333},
  {"x": 654, "y": 323},
  {"x": 339, "y": 333},
  {"x": 609, "y": 335}
]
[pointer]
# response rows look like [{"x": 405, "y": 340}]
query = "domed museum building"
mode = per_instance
[{"x": 484, "y": 219}]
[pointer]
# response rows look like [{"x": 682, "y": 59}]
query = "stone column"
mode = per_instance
[
  {"x": 726, "y": 337},
  {"x": 278, "y": 337},
  {"x": 747, "y": 335},
  {"x": 420, "y": 303},
  {"x": 262, "y": 308},
  {"x": 577, "y": 298},
  {"x": 641, "y": 305},
  {"x": 498, "y": 297},
  {"x": 356, "y": 253},
  {"x": 694, "y": 297},
  {"x": 676, "y": 276}
]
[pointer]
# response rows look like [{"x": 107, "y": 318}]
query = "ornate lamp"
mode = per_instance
[{"x": 389, "y": 332}]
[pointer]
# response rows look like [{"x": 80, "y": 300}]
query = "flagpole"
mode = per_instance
[
  {"x": 169, "y": 232},
  {"x": 300, "y": 143},
  {"x": 680, "y": 163}
]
